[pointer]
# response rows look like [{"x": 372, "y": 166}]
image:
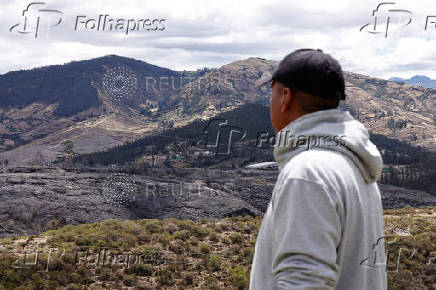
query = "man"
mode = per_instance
[{"x": 323, "y": 228}]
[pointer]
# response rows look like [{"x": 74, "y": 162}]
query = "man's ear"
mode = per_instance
[{"x": 286, "y": 99}]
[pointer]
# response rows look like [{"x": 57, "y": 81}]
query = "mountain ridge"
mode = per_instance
[
  {"x": 418, "y": 80},
  {"x": 42, "y": 108}
]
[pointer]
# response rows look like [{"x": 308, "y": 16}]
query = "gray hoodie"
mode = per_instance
[{"x": 323, "y": 228}]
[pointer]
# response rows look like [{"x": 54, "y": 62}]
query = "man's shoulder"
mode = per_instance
[{"x": 317, "y": 159}]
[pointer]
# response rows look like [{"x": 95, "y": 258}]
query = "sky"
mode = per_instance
[{"x": 195, "y": 34}]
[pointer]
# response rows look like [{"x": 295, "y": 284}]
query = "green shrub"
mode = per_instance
[
  {"x": 152, "y": 226},
  {"x": 166, "y": 278},
  {"x": 200, "y": 232},
  {"x": 129, "y": 280},
  {"x": 144, "y": 237},
  {"x": 222, "y": 227},
  {"x": 193, "y": 241},
  {"x": 106, "y": 274},
  {"x": 248, "y": 252},
  {"x": 164, "y": 239},
  {"x": 177, "y": 247},
  {"x": 214, "y": 262},
  {"x": 75, "y": 278},
  {"x": 239, "y": 277},
  {"x": 212, "y": 283},
  {"x": 213, "y": 237},
  {"x": 204, "y": 248},
  {"x": 182, "y": 235},
  {"x": 171, "y": 228},
  {"x": 140, "y": 270},
  {"x": 73, "y": 286},
  {"x": 236, "y": 238},
  {"x": 188, "y": 278}
]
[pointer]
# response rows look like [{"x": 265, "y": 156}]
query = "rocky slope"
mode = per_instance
[{"x": 34, "y": 200}]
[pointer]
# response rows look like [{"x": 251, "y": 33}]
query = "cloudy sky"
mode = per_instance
[{"x": 213, "y": 33}]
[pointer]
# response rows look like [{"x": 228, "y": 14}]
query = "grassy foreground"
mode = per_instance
[{"x": 183, "y": 254}]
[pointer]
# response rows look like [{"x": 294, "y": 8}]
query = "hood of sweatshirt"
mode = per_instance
[{"x": 333, "y": 130}]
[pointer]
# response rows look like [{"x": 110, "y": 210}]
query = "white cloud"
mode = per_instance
[{"x": 212, "y": 33}]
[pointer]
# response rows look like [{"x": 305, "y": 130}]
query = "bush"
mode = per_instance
[
  {"x": 248, "y": 252},
  {"x": 164, "y": 239},
  {"x": 204, "y": 248},
  {"x": 73, "y": 286},
  {"x": 177, "y": 247},
  {"x": 166, "y": 278},
  {"x": 189, "y": 278},
  {"x": 213, "y": 237},
  {"x": 153, "y": 226},
  {"x": 129, "y": 280},
  {"x": 236, "y": 238},
  {"x": 214, "y": 262},
  {"x": 144, "y": 238},
  {"x": 106, "y": 274},
  {"x": 193, "y": 241},
  {"x": 212, "y": 283},
  {"x": 140, "y": 270},
  {"x": 182, "y": 235},
  {"x": 200, "y": 232},
  {"x": 171, "y": 228},
  {"x": 239, "y": 277}
]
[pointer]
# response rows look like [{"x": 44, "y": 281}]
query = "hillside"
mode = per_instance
[
  {"x": 405, "y": 165},
  {"x": 96, "y": 104},
  {"x": 44, "y": 107},
  {"x": 395, "y": 110},
  {"x": 417, "y": 80},
  {"x": 183, "y": 254}
]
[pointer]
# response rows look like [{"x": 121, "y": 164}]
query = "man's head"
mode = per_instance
[{"x": 305, "y": 81}]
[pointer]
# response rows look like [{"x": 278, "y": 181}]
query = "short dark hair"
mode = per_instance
[{"x": 312, "y": 103}]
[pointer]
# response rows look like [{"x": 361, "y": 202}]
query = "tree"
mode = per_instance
[
  {"x": 69, "y": 153},
  {"x": 39, "y": 158},
  {"x": 68, "y": 147}
]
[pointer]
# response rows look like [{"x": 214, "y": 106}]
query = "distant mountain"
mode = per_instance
[
  {"x": 107, "y": 101},
  {"x": 95, "y": 103},
  {"x": 417, "y": 80},
  {"x": 399, "y": 111}
]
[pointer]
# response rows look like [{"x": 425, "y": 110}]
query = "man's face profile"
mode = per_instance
[{"x": 279, "y": 105}]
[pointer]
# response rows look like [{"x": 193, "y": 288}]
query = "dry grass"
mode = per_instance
[{"x": 183, "y": 254}]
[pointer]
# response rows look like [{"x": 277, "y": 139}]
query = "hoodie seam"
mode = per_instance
[{"x": 334, "y": 199}]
